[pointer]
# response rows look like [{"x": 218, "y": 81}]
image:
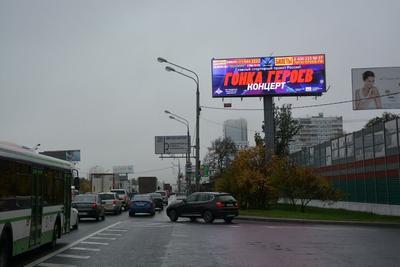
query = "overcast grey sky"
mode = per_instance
[{"x": 83, "y": 74}]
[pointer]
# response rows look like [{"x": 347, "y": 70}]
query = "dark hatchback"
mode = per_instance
[
  {"x": 89, "y": 206},
  {"x": 206, "y": 205},
  {"x": 158, "y": 200}
]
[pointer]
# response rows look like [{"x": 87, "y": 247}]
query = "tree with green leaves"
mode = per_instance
[
  {"x": 300, "y": 185},
  {"x": 248, "y": 179},
  {"x": 220, "y": 154},
  {"x": 286, "y": 127},
  {"x": 386, "y": 116}
]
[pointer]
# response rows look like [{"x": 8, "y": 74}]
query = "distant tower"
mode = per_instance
[{"x": 237, "y": 131}]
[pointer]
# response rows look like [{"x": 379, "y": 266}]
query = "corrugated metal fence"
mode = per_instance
[{"x": 363, "y": 164}]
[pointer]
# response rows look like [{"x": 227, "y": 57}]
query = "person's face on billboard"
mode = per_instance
[{"x": 369, "y": 82}]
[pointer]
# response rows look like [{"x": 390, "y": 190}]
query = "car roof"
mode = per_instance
[
  {"x": 142, "y": 195},
  {"x": 214, "y": 193}
]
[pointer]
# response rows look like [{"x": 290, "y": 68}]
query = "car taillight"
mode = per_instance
[
  {"x": 219, "y": 204},
  {"x": 114, "y": 202},
  {"x": 236, "y": 205},
  {"x": 94, "y": 206}
]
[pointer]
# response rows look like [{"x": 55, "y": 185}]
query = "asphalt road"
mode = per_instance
[{"x": 155, "y": 241}]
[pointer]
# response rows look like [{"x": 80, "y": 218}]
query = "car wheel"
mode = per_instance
[
  {"x": 228, "y": 219},
  {"x": 193, "y": 219},
  {"x": 208, "y": 217},
  {"x": 131, "y": 214},
  {"x": 153, "y": 213},
  {"x": 5, "y": 254},
  {"x": 173, "y": 215},
  {"x": 103, "y": 217},
  {"x": 97, "y": 217},
  {"x": 119, "y": 211}
]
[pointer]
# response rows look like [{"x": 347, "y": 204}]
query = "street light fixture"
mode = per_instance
[
  {"x": 188, "y": 163},
  {"x": 196, "y": 80},
  {"x": 168, "y": 68}
]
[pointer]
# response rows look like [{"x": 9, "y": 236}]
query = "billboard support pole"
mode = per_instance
[{"x": 269, "y": 137}]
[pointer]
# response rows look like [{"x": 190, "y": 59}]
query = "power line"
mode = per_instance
[
  {"x": 299, "y": 107},
  {"x": 230, "y": 126},
  {"x": 154, "y": 170}
]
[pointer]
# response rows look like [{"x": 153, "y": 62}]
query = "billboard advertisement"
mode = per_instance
[
  {"x": 68, "y": 155},
  {"x": 301, "y": 75},
  {"x": 123, "y": 169},
  {"x": 376, "y": 88},
  {"x": 176, "y": 144}
]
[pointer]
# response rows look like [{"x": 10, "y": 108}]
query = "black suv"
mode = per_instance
[{"x": 207, "y": 205}]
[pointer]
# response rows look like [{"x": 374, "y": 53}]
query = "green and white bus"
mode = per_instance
[{"x": 35, "y": 200}]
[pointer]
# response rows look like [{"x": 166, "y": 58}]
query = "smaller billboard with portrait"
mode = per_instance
[
  {"x": 376, "y": 88},
  {"x": 300, "y": 75}
]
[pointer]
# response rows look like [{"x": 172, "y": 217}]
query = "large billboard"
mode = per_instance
[
  {"x": 301, "y": 75},
  {"x": 68, "y": 155},
  {"x": 123, "y": 169},
  {"x": 376, "y": 88},
  {"x": 175, "y": 144}
]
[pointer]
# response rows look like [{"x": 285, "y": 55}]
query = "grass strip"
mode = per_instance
[{"x": 313, "y": 213}]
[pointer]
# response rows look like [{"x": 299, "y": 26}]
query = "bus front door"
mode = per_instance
[
  {"x": 67, "y": 201},
  {"x": 37, "y": 208}
]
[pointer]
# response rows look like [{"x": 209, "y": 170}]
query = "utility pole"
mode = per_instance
[{"x": 269, "y": 133}]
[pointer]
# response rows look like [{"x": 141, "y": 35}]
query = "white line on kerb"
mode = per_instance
[
  {"x": 47, "y": 264},
  {"x": 36, "y": 262},
  {"x": 86, "y": 249},
  {"x": 73, "y": 256},
  {"x": 102, "y": 238}
]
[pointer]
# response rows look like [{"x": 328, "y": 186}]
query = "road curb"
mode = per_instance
[{"x": 301, "y": 221}]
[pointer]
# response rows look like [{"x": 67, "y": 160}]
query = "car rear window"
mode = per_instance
[
  {"x": 119, "y": 192},
  {"x": 162, "y": 193},
  {"x": 226, "y": 198},
  {"x": 107, "y": 196},
  {"x": 141, "y": 197},
  {"x": 85, "y": 198}
]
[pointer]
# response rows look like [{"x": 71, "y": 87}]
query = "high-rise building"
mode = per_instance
[
  {"x": 316, "y": 130},
  {"x": 237, "y": 131}
]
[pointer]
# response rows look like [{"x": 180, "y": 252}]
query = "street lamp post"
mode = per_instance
[
  {"x": 185, "y": 122},
  {"x": 198, "y": 109}
]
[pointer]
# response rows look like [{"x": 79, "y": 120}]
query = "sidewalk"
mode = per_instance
[{"x": 305, "y": 221}]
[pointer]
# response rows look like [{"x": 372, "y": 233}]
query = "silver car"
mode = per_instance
[{"x": 111, "y": 202}]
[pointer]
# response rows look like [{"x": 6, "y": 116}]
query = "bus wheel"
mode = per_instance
[
  {"x": 53, "y": 243},
  {"x": 5, "y": 254}
]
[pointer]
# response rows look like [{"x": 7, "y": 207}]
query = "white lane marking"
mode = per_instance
[
  {"x": 38, "y": 261},
  {"x": 73, "y": 256},
  {"x": 48, "y": 264},
  {"x": 117, "y": 230},
  {"x": 88, "y": 249},
  {"x": 102, "y": 238},
  {"x": 154, "y": 226},
  {"x": 95, "y": 243},
  {"x": 105, "y": 234}
]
